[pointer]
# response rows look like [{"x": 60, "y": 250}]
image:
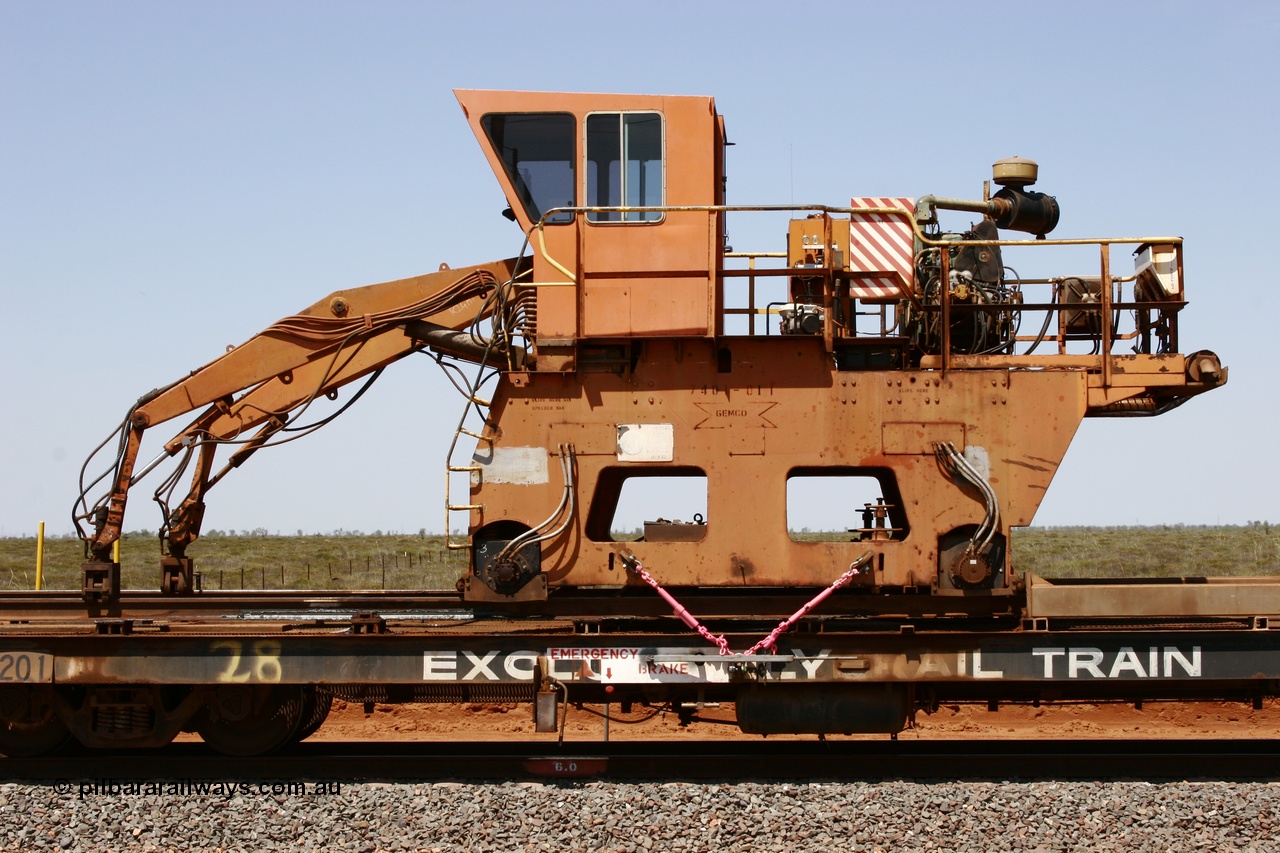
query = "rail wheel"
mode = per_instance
[
  {"x": 316, "y": 705},
  {"x": 28, "y": 724},
  {"x": 246, "y": 720}
]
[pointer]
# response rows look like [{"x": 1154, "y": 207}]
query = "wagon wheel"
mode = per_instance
[
  {"x": 315, "y": 710},
  {"x": 244, "y": 720},
  {"x": 35, "y": 732}
]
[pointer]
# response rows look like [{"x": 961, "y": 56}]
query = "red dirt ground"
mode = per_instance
[{"x": 501, "y": 722}]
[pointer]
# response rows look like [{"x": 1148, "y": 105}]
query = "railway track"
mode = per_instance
[{"x": 1027, "y": 760}]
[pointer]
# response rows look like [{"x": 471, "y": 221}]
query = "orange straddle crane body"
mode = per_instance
[{"x": 631, "y": 345}]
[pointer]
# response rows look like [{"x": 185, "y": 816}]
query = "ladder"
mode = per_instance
[{"x": 475, "y": 406}]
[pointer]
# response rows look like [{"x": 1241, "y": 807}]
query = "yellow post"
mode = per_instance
[
  {"x": 115, "y": 551},
  {"x": 40, "y": 556}
]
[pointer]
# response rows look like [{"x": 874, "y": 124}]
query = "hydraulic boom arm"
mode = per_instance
[{"x": 278, "y": 373}]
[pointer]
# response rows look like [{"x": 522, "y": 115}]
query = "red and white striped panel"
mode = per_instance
[{"x": 882, "y": 246}]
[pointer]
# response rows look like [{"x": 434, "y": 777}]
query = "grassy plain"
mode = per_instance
[
  {"x": 347, "y": 561},
  {"x": 395, "y": 561}
]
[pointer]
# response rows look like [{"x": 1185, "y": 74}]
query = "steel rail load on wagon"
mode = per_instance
[{"x": 906, "y": 372}]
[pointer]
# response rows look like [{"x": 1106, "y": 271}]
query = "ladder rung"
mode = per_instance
[
  {"x": 463, "y": 507},
  {"x": 461, "y": 468},
  {"x": 475, "y": 435},
  {"x": 480, "y": 401}
]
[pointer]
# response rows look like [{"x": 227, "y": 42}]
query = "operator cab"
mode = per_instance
[{"x": 593, "y": 179}]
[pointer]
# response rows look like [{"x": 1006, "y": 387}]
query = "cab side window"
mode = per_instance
[
  {"x": 537, "y": 150},
  {"x": 624, "y": 165}
]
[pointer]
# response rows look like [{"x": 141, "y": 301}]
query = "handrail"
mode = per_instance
[
  {"x": 829, "y": 209},
  {"x": 1108, "y": 300}
]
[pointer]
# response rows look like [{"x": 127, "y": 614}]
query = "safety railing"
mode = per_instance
[{"x": 1081, "y": 317}]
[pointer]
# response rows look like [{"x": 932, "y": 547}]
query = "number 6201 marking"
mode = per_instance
[{"x": 26, "y": 667}]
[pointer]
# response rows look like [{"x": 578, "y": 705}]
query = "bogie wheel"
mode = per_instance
[
  {"x": 28, "y": 725},
  {"x": 248, "y": 720},
  {"x": 315, "y": 710}
]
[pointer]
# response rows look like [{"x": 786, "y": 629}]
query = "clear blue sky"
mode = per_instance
[{"x": 176, "y": 176}]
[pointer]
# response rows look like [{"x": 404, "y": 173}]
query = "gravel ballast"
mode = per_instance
[{"x": 638, "y": 818}]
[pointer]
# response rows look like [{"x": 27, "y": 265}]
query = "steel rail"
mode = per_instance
[{"x": 31, "y": 607}]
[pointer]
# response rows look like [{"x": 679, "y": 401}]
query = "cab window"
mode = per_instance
[
  {"x": 624, "y": 165},
  {"x": 537, "y": 150}
]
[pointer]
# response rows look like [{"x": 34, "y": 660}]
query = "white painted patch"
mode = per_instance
[
  {"x": 978, "y": 458},
  {"x": 646, "y": 442},
  {"x": 520, "y": 466}
]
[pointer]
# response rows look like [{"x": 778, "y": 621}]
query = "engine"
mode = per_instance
[{"x": 980, "y": 295}]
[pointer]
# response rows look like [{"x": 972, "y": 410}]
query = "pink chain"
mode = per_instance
[
  {"x": 771, "y": 641},
  {"x": 684, "y": 615}
]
